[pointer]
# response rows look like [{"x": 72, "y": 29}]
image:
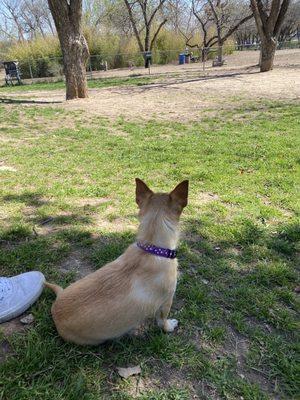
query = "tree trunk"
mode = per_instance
[
  {"x": 220, "y": 54},
  {"x": 75, "y": 56},
  {"x": 269, "y": 17},
  {"x": 67, "y": 16},
  {"x": 147, "y": 48},
  {"x": 267, "y": 54}
]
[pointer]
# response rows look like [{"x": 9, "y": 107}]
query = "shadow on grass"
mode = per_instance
[
  {"x": 29, "y": 198},
  {"x": 43, "y": 241},
  {"x": 254, "y": 255},
  {"x": 9, "y": 100},
  {"x": 147, "y": 87},
  {"x": 226, "y": 281},
  {"x": 249, "y": 245},
  {"x": 282, "y": 239}
]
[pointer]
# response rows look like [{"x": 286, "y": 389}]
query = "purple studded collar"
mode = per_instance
[{"x": 157, "y": 251}]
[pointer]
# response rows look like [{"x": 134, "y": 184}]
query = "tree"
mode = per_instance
[
  {"x": 116, "y": 19},
  {"x": 291, "y": 23},
  {"x": 143, "y": 17},
  {"x": 11, "y": 14},
  {"x": 223, "y": 18},
  {"x": 25, "y": 19},
  {"x": 246, "y": 35},
  {"x": 269, "y": 17},
  {"x": 181, "y": 20},
  {"x": 36, "y": 19},
  {"x": 67, "y": 15},
  {"x": 204, "y": 18},
  {"x": 226, "y": 21}
]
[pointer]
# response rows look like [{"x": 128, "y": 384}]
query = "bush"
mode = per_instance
[
  {"x": 42, "y": 57},
  {"x": 118, "y": 52},
  {"x": 168, "y": 47},
  {"x": 38, "y": 58}
]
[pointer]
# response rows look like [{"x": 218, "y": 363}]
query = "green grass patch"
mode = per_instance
[{"x": 69, "y": 191}]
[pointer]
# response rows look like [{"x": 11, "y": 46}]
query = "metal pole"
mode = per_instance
[
  {"x": 30, "y": 70},
  {"x": 90, "y": 67}
]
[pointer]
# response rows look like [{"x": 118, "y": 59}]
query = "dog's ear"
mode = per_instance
[
  {"x": 180, "y": 193},
  {"x": 142, "y": 192}
]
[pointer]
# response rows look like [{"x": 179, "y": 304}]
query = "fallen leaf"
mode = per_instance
[
  {"x": 28, "y": 319},
  {"x": 126, "y": 372}
]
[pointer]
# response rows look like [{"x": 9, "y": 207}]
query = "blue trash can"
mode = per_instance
[{"x": 181, "y": 58}]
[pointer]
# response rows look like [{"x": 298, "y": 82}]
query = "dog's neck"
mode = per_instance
[{"x": 159, "y": 230}]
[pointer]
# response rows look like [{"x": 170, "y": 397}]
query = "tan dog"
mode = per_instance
[{"x": 121, "y": 295}]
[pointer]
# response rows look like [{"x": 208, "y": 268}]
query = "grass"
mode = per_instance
[
  {"x": 93, "y": 83},
  {"x": 69, "y": 195}
]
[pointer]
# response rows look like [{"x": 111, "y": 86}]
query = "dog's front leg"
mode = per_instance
[{"x": 168, "y": 325}]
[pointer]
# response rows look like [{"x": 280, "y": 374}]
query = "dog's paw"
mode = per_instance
[{"x": 170, "y": 325}]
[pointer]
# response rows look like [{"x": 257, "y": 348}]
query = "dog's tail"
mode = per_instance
[{"x": 56, "y": 289}]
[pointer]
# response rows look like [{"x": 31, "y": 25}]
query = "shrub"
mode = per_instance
[
  {"x": 38, "y": 58},
  {"x": 42, "y": 57}
]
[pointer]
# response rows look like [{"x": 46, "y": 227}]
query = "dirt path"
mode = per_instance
[{"x": 183, "y": 94}]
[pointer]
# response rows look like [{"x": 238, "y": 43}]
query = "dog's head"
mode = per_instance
[{"x": 171, "y": 203}]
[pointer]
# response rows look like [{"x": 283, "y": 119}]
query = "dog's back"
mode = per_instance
[{"x": 115, "y": 299}]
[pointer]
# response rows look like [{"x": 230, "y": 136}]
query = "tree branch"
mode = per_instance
[
  {"x": 283, "y": 9},
  {"x": 275, "y": 7},
  {"x": 210, "y": 42},
  {"x": 155, "y": 11},
  {"x": 234, "y": 28},
  {"x": 257, "y": 17},
  {"x": 262, "y": 11},
  {"x": 134, "y": 27},
  {"x": 157, "y": 32}
]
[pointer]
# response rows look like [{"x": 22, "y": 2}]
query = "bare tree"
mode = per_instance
[
  {"x": 269, "y": 17},
  {"x": 226, "y": 22},
  {"x": 203, "y": 16},
  {"x": 115, "y": 19},
  {"x": 291, "y": 23},
  {"x": 218, "y": 20},
  {"x": 35, "y": 17},
  {"x": 143, "y": 17},
  {"x": 11, "y": 13},
  {"x": 180, "y": 18},
  {"x": 67, "y": 15},
  {"x": 176, "y": 10},
  {"x": 246, "y": 35},
  {"x": 25, "y": 19}
]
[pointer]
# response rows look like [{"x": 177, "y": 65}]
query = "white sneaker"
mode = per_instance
[{"x": 18, "y": 293}]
